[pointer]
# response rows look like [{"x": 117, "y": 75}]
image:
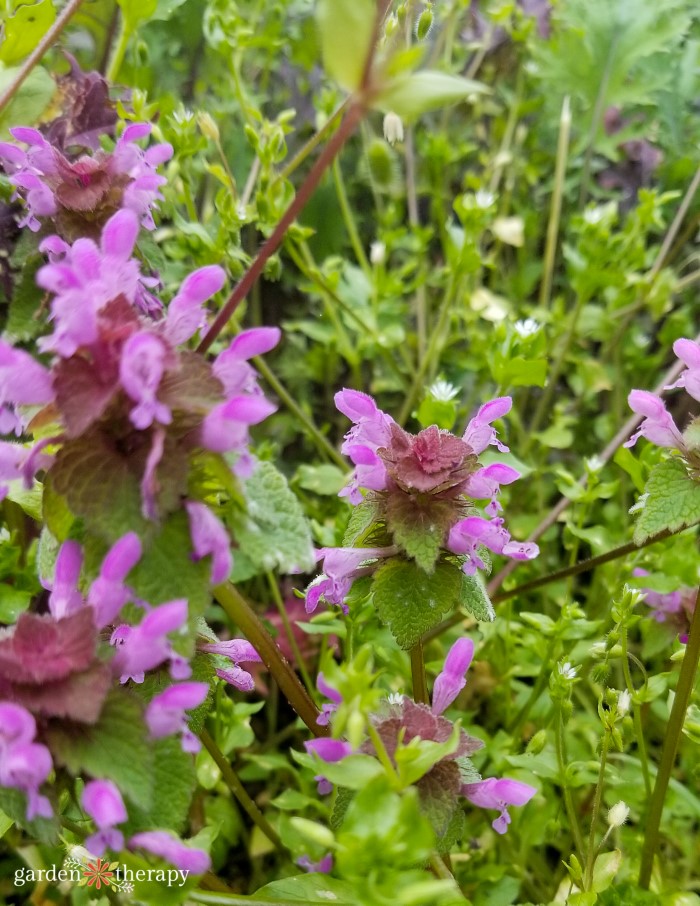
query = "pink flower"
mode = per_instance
[
  {"x": 658, "y": 425},
  {"x": 17, "y": 725},
  {"x": 231, "y": 366},
  {"x": 103, "y": 802},
  {"x": 108, "y": 594},
  {"x": 209, "y": 538},
  {"x": 452, "y": 679},
  {"x": 23, "y": 382},
  {"x": 499, "y": 794},
  {"x": 487, "y": 483},
  {"x": 239, "y": 651},
  {"x": 143, "y": 362},
  {"x": 323, "y": 866},
  {"x": 165, "y": 713},
  {"x": 479, "y": 433},
  {"x": 225, "y": 428},
  {"x": 371, "y": 430},
  {"x": 186, "y": 314},
  {"x": 65, "y": 598},
  {"x": 25, "y": 766},
  {"x": 468, "y": 534},
  {"x": 330, "y": 750},
  {"x": 330, "y": 707},
  {"x": 342, "y": 565},
  {"x": 173, "y": 850},
  {"x": 146, "y": 646},
  {"x": 688, "y": 351}
]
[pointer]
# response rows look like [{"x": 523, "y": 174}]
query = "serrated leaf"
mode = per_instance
[
  {"x": 345, "y": 29},
  {"x": 13, "y": 602},
  {"x": 309, "y": 888},
  {"x": 55, "y": 511},
  {"x": 672, "y": 503},
  {"x": 23, "y": 31},
  {"x": 361, "y": 518},
  {"x": 174, "y": 780},
  {"x": 410, "y": 601},
  {"x": 411, "y": 95},
  {"x": 14, "y": 808},
  {"x": 31, "y": 99},
  {"x": 353, "y": 772},
  {"x": 22, "y": 323},
  {"x": 274, "y": 533},
  {"x": 115, "y": 748},
  {"x": 418, "y": 525},
  {"x": 475, "y": 599}
]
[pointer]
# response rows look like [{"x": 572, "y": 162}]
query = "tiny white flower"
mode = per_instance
[
  {"x": 624, "y": 700},
  {"x": 484, "y": 199},
  {"x": 393, "y": 128},
  {"x": 443, "y": 391},
  {"x": 568, "y": 671},
  {"x": 527, "y": 328},
  {"x": 594, "y": 215},
  {"x": 377, "y": 253},
  {"x": 618, "y": 814},
  {"x": 395, "y": 698}
]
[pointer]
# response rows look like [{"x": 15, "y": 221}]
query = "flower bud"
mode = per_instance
[
  {"x": 393, "y": 128},
  {"x": 314, "y": 832},
  {"x": 618, "y": 814},
  {"x": 537, "y": 743},
  {"x": 356, "y": 728},
  {"x": 424, "y": 23},
  {"x": 377, "y": 253},
  {"x": 208, "y": 127},
  {"x": 624, "y": 700}
]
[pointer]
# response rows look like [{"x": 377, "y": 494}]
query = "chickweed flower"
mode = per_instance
[{"x": 618, "y": 814}]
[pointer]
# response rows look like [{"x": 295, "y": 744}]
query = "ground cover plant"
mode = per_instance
[{"x": 349, "y": 385}]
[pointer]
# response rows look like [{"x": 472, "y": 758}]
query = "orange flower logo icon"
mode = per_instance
[{"x": 98, "y": 874}]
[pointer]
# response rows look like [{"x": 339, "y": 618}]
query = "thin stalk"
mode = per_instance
[
  {"x": 597, "y": 800},
  {"x": 289, "y": 632},
  {"x": 636, "y": 714},
  {"x": 675, "y": 226},
  {"x": 323, "y": 444},
  {"x": 315, "y": 140},
  {"x": 272, "y": 243},
  {"x": 555, "y": 209},
  {"x": 420, "y": 685},
  {"x": 568, "y": 798},
  {"x": 238, "y": 609},
  {"x": 35, "y": 56},
  {"x": 431, "y": 353},
  {"x": 115, "y": 64},
  {"x": 595, "y": 122},
  {"x": 234, "y": 784},
  {"x": 684, "y": 689},
  {"x": 382, "y": 753},
  {"x": 442, "y": 871},
  {"x": 349, "y": 218},
  {"x": 537, "y": 689}
]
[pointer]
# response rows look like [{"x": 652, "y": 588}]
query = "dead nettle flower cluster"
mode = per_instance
[
  {"x": 120, "y": 384},
  {"x": 453, "y": 775},
  {"x": 428, "y": 487}
]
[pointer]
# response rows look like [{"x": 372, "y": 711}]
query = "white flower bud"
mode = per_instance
[
  {"x": 624, "y": 700},
  {"x": 377, "y": 253},
  {"x": 618, "y": 814},
  {"x": 393, "y": 128}
]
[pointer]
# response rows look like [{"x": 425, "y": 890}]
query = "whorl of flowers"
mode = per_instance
[
  {"x": 431, "y": 482},
  {"x": 79, "y": 195},
  {"x": 453, "y": 776}
]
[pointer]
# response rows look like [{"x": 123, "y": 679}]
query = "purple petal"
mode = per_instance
[
  {"x": 103, "y": 802},
  {"x": 688, "y": 351},
  {"x": 210, "y": 538},
  {"x": 238, "y": 677},
  {"x": 17, "y": 725},
  {"x": 173, "y": 850},
  {"x": 328, "y": 691},
  {"x": 135, "y": 131},
  {"x": 329, "y": 750},
  {"x": 355, "y": 405},
  {"x": 450, "y": 682},
  {"x": 239, "y": 650},
  {"x": 256, "y": 341},
  {"x": 119, "y": 235}
]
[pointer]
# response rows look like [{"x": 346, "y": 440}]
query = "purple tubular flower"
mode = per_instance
[
  {"x": 225, "y": 428},
  {"x": 341, "y": 566},
  {"x": 185, "y": 313},
  {"x": 452, "y": 679},
  {"x": 323, "y": 866},
  {"x": 146, "y": 646},
  {"x": 329, "y": 707},
  {"x": 658, "y": 425},
  {"x": 209, "y": 538},
  {"x": 165, "y": 713},
  {"x": 239, "y": 651},
  {"x": 108, "y": 594},
  {"x": 371, "y": 426},
  {"x": 688, "y": 351},
  {"x": 65, "y": 599},
  {"x": 467, "y": 534},
  {"x": 323, "y": 785},
  {"x": 12, "y": 460},
  {"x": 479, "y": 433},
  {"x": 370, "y": 472},
  {"x": 141, "y": 368},
  {"x": 22, "y": 382},
  {"x": 499, "y": 794},
  {"x": 103, "y": 802},
  {"x": 173, "y": 850},
  {"x": 487, "y": 483},
  {"x": 17, "y": 726},
  {"x": 231, "y": 366},
  {"x": 25, "y": 766},
  {"x": 330, "y": 750}
]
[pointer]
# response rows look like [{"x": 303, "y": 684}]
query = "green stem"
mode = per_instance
[
  {"x": 238, "y": 609},
  {"x": 382, "y": 753},
  {"x": 568, "y": 798},
  {"x": 282, "y": 609},
  {"x": 234, "y": 784},
  {"x": 555, "y": 209},
  {"x": 272, "y": 243},
  {"x": 684, "y": 688},
  {"x": 597, "y": 800},
  {"x": 315, "y": 140},
  {"x": 35, "y": 56},
  {"x": 324, "y": 446},
  {"x": 636, "y": 713},
  {"x": 420, "y": 685},
  {"x": 115, "y": 64},
  {"x": 349, "y": 219}
]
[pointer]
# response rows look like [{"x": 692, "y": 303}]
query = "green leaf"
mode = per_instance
[
  {"x": 672, "y": 501},
  {"x": 98, "y": 485},
  {"x": 606, "y": 867},
  {"x": 13, "y": 602},
  {"x": 13, "y": 804},
  {"x": 309, "y": 888},
  {"x": 626, "y": 460},
  {"x": 22, "y": 321},
  {"x": 361, "y": 518},
  {"x": 136, "y": 11},
  {"x": 410, "y": 96},
  {"x": 419, "y": 525},
  {"x": 353, "y": 772},
  {"x": 174, "y": 781},
  {"x": 325, "y": 479},
  {"x": 55, "y": 511},
  {"x": 274, "y": 533},
  {"x": 115, "y": 748},
  {"x": 31, "y": 99},
  {"x": 475, "y": 599},
  {"x": 410, "y": 601},
  {"x": 29, "y": 499},
  {"x": 345, "y": 29},
  {"x": 24, "y": 30},
  {"x": 414, "y": 760},
  {"x": 5, "y": 823}
]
